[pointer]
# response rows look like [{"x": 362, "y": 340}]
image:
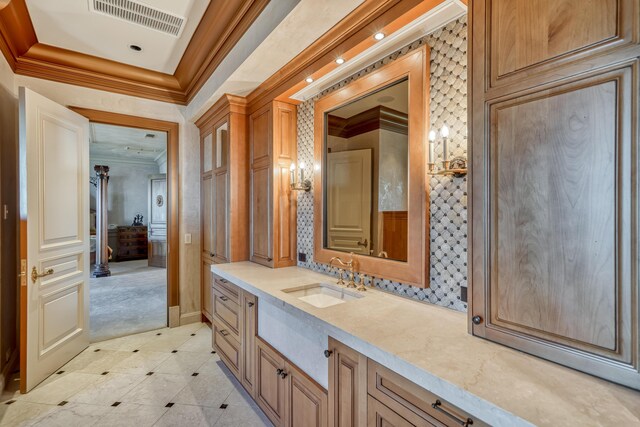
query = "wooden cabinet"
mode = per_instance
[
  {"x": 206, "y": 282},
  {"x": 554, "y": 175},
  {"x": 286, "y": 394},
  {"x": 249, "y": 304},
  {"x": 379, "y": 415},
  {"x": 270, "y": 387},
  {"x": 347, "y": 386},
  {"x": 273, "y": 147},
  {"x": 224, "y": 185},
  {"x": 131, "y": 243}
]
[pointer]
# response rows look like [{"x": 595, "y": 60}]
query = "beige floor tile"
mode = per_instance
[
  {"x": 213, "y": 367},
  {"x": 198, "y": 343},
  {"x": 96, "y": 362},
  {"x": 245, "y": 416},
  {"x": 166, "y": 342},
  {"x": 62, "y": 388},
  {"x": 110, "y": 389},
  {"x": 205, "y": 390},
  {"x": 239, "y": 397},
  {"x": 141, "y": 362},
  {"x": 72, "y": 415},
  {"x": 157, "y": 389},
  {"x": 130, "y": 414},
  {"x": 21, "y": 413},
  {"x": 128, "y": 343},
  {"x": 188, "y": 415},
  {"x": 183, "y": 363}
]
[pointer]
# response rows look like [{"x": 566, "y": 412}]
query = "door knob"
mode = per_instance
[
  {"x": 328, "y": 353},
  {"x": 476, "y": 320},
  {"x": 250, "y": 304},
  {"x": 35, "y": 275},
  {"x": 363, "y": 244}
]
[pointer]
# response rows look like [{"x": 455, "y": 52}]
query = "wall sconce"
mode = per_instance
[
  {"x": 456, "y": 166},
  {"x": 303, "y": 184}
]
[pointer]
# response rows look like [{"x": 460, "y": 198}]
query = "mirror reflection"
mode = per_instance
[{"x": 367, "y": 173}]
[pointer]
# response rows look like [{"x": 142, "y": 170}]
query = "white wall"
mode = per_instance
[{"x": 127, "y": 191}]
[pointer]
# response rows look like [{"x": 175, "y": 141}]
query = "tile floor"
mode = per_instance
[{"x": 166, "y": 377}]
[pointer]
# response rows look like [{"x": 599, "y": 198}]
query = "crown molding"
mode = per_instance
[{"x": 222, "y": 25}]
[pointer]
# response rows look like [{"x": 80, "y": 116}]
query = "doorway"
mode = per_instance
[
  {"x": 166, "y": 181},
  {"x": 128, "y": 227}
]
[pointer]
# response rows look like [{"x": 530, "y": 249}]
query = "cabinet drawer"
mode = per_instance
[
  {"x": 379, "y": 415},
  {"x": 223, "y": 285},
  {"x": 411, "y": 401},
  {"x": 226, "y": 312},
  {"x": 228, "y": 348}
]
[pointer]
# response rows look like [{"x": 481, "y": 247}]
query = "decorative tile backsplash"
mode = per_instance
[{"x": 448, "y": 195}]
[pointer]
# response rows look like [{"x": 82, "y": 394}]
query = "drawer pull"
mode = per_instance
[
  {"x": 328, "y": 353},
  {"x": 438, "y": 407},
  {"x": 223, "y": 280},
  {"x": 250, "y": 304},
  {"x": 224, "y": 332},
  {"x": 223, "y": 298}
]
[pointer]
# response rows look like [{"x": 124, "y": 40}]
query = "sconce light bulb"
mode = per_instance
[
  {"x": 432, "y": 135},
  {"x": 340, "y": 61},
  {"x": 445, "y": 131},
  {"x": 292, "y": 167},
  {"x": 301, "y": 165},
  {"x": 309, "y": 79},
  {"x": 378, "y": 36}
]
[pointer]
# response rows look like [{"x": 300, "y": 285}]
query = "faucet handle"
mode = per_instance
[
  {"x": 361, "y": 286},
  {"x": 340, "y": 277}
]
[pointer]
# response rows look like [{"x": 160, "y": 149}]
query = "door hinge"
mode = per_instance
[{"x": 23, "y": 272}]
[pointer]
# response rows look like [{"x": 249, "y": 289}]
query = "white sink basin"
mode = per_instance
[{"x": 323, "y": 295}]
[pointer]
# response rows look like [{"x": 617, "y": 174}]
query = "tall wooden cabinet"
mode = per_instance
[
  {"x": 224, "y": 189},
  {"x": 554, "y": 181},
  {"x": 273, "y": 147}
]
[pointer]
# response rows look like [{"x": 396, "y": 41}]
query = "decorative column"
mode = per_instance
[{"x": 101, "y": 267}]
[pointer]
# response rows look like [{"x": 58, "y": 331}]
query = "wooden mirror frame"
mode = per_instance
[{"x": 415, "y": 67}]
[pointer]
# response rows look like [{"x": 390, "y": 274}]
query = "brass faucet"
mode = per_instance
[{"x": 350, "y": 265}]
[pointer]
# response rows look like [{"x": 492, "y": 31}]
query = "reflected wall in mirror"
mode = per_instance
[
  {"x": 370, "y": 182},
  {"x": 367, "y": 174}
]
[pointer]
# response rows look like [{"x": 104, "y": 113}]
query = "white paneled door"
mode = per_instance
[{"x": 54, "y": 211}]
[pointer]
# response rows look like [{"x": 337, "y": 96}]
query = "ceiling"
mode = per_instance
[
  {"x": 125, "y": 143},
  {"x": 395, "y": 97},
  {"x": 75, "y": 25}
]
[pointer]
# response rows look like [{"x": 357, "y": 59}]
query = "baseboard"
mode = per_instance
[
  {"x": 174, "y": 316},
  {"x": 187, "y": 318},
  {"x": 8, "y": 368}
]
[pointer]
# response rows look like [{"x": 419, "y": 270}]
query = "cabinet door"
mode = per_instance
[
  {"x": 381, "y": 416},
  {"x": 206, "y": 196},
  {"x": 347, "y": 386},
  {"x": 270, "y": 386},
  {"x": 249, "y": 307},
  {"x": 220, "y": 206},
  {"x": 306, "y": 404},
  {"x": 261, "y": 218},
  {"x": 206, "y": 282}
]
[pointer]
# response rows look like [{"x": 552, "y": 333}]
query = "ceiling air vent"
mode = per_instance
[{"x": 140, "y": 14}]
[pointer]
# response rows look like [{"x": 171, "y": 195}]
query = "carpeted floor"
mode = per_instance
[{"x": 132, "y": 300}]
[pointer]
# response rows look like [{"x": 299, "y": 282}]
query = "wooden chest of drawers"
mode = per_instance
[{"x": 131, "y": 243}]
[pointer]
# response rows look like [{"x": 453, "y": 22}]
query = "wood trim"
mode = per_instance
[
  {"x": 173, "y": 182},
  {"x": 222, "y": 25},
  {"x": 415, "y": 67},
  {"x": 379, "y": 117},
  {"x": 351, "y": 36}
]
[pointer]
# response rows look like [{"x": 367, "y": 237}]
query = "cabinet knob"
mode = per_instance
[
  {"x": 328, "y": 353},
  {"x": 269, "y": 259},
  {"x": 283, "y": 375},
  {"x": 279, "y": 371},
  {"x": 250, "y": 304},
  {"x": 476, "y": 320}
]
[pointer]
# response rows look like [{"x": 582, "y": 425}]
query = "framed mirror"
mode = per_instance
[{"x": 371, "y": 192}]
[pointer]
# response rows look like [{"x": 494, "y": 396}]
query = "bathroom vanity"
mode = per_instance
[{"x": 379, "y": 359}]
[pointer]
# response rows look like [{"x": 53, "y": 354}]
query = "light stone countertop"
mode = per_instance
[{"x": 430, "y": 346}]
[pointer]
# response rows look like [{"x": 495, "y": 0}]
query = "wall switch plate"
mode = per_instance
[
  {"x": 302, "y": 257},
  {"x": 187, "y": 238}
]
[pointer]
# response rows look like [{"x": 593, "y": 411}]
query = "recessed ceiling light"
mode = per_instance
[
  {"x": 135, "y": 47},
  {"x": 378, "y": 36},
  {"x": 309, "y": 80},
  {"x": 340, "y": 61}
]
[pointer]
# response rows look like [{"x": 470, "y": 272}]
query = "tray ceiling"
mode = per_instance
[{"x": 73, "y": 25}]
